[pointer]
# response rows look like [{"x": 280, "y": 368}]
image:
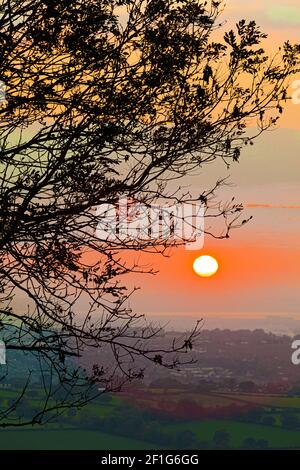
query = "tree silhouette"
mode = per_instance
[{"x": 107, "y": 99}]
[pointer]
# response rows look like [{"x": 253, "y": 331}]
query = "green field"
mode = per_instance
[
  {"x": 80, "y": 431},
  {"x": 68, "y": 439},
  {"x": 277, "y": 437}
]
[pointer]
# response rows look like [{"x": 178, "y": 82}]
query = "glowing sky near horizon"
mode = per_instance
[{"x": 259, "y": 267}]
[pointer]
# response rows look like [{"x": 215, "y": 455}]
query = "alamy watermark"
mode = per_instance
[
  {"x": 296, "y": 93},
  {"x": 2, "y": 353},
  {"x": 296, "y": 354},
  {"x": 130, "y": 221},
  {"x": 2, "y": 92}
]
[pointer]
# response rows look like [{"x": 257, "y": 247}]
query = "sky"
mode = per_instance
[{"x": 260, "y": 264}]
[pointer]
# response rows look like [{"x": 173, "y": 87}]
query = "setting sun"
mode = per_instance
[{"x": 205, "y": 266}]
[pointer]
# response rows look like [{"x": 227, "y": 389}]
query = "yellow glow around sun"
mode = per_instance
[{"x": 205, "y": 266}]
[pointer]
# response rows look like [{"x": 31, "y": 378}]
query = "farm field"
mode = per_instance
[
  {"x": 67, "y": 439},
  {"x": 276, "y": 436},
  {"x": 160, "y": 398},
  {"x": 84, "y": 430}
]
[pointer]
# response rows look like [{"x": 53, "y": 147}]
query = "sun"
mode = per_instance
[{"x": 205, "y": 266}]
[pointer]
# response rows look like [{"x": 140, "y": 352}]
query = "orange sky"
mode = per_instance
[{"x": 260, "y": 264}]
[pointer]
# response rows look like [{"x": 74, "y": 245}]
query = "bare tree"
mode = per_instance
[{"x": 109, "y": 98}]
